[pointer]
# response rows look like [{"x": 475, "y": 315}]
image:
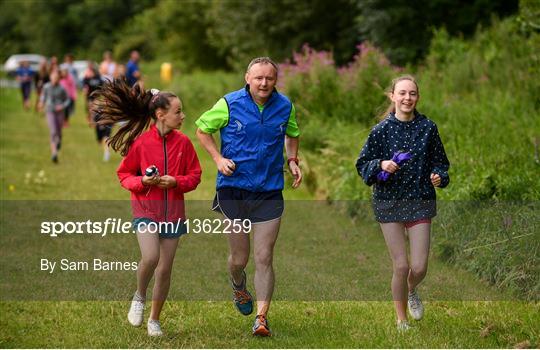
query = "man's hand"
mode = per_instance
[
  {"x": 225, "y": 166},
  {"x": 296, "y": 173}
]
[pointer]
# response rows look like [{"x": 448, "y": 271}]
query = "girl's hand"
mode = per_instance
[
  {"x": 150, "y": 180},
  {"x": 166, "y": 182},
  {"x": 225, "y": 166},
  {"x": 389, "y": 166},
  {"x": 435, "y": 179},
  {"x": 58, "y": 108}
]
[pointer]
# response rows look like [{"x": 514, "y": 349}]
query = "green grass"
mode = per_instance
[
  {"x": 295, "y": 325},
  {"x": 333, "y": 273}
]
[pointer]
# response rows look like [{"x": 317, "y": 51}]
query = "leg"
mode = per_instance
[
  {"x": 149, "y": 245},
  {"x": 419, "y": 239},
  {"x": 106, "y": 152},
  {"x": 394, "y": 235},
  {"x": 264, "y": 239},
  {"x": 167, "y": 250},
  {"x": 27, "y": 89},
  {"x": 54, "y": 131},
  {"x": 239, "y": 255}
]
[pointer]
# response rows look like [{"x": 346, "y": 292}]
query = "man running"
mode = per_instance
[{"x": 255, "y": 123}]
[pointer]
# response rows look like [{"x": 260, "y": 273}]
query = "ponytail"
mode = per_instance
[
  {"x": 391, "y": 107},
  {"x": 133, "y": 107}
]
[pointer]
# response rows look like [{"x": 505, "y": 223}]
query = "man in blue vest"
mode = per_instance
[{"x": 255, "y": 123}]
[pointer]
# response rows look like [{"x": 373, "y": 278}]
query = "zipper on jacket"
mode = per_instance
[{"x": 165, "y": 173}]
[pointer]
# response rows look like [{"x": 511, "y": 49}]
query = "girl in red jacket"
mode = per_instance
[{"x": 157, "y": 199}]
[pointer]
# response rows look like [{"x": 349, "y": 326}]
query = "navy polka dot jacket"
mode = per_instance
[{"x": 408, "y": 194}]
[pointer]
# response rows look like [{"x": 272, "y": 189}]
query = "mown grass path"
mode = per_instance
[{"x": 333, "y": 274}]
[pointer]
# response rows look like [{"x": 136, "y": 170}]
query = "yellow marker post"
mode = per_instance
[{"x": 166, "y": 72}]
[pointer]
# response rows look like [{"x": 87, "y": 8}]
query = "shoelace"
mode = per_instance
[
  {"x": 139, "y": 306},
  {"x": 241, "y": 296},
  {"x": 261, "y": 321},
  {"x": 403, "y": 326},
  {"x": 154, "y": 326},
  {"x": 413, "y": 300}
]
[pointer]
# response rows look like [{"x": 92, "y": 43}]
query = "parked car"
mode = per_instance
[{"x": 14, "y": 61}]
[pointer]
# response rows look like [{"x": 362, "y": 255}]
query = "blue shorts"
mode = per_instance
[
  {"x": 257, "y": 207},
  {"x": 166, "y": 229}
]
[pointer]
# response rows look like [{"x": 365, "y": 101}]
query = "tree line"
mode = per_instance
[{"x": 225, "y": 33}]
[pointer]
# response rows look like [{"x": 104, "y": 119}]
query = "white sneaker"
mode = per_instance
[
  {"x": 403, "y": 326},
  {"x": 136, "y": 311},
  {"x": 416, "y": 309},
  {"x": 154, "y": 328}
]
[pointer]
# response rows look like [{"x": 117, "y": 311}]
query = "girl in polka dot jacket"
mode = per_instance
[{"x": 404, "y": 198}]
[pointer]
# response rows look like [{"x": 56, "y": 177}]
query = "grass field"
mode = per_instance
[{"x": 333, "y": 274}]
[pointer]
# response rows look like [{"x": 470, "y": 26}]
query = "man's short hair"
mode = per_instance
[{"x": 263, "y": 60}]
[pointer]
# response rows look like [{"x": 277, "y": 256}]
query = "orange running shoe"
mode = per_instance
[{"x": 260, "y": 326}]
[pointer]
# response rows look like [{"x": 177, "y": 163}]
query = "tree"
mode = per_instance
[
  {"x": 403, "y": 29},
  {"x": 241, "y": 30}
]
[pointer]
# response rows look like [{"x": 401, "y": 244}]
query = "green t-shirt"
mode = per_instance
[{"x": 217, "y": 117}]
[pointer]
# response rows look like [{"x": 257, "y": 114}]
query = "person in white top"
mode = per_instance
[{"x": 107, "y": 68}]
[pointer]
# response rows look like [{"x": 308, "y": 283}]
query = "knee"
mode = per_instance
[
  {"x": 401, "y": 268},
  {"x": 264, "y": 258},
  {"x": 238, "y": 261},
  {"x": 163, "y": 273},
  {"x": 150, "y": 262},
  {"x": 419, "y": 269}
]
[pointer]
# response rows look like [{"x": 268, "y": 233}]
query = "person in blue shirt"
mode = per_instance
[
  {"x": 405, "y": 201},
  {"x": 25, "y": 76},
  {"x": 133, "y": 74},
  {"x": 255, "y": 124}
]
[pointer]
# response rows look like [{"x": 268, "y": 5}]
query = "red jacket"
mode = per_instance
[{"x": 173, "y": 155}]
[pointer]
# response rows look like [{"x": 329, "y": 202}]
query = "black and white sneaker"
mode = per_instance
[{"x": 416, "y": 309}]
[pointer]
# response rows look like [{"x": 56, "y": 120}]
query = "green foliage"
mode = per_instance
[
  {"x": 529, "y": 13},
  {"x": 242, "y": 30},
  {"x": 499, "y": 241},
  {"x": 403, "y": 29},
  {"x": 223, "y": 34},
  {"x": 173, "y": 31},
  {"x": 56, "y": 27},
  {"x": 321, "y": 89}
]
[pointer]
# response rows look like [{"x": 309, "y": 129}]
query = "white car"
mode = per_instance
[{"x": 14, "y": 62}]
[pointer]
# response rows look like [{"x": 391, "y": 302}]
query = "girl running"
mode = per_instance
[
  {"x": 157, "y": 196},
  {"x": 55, "y": 100},
  {"x": 405, "y": 160},
  {"x": 69, "y": 84}
]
